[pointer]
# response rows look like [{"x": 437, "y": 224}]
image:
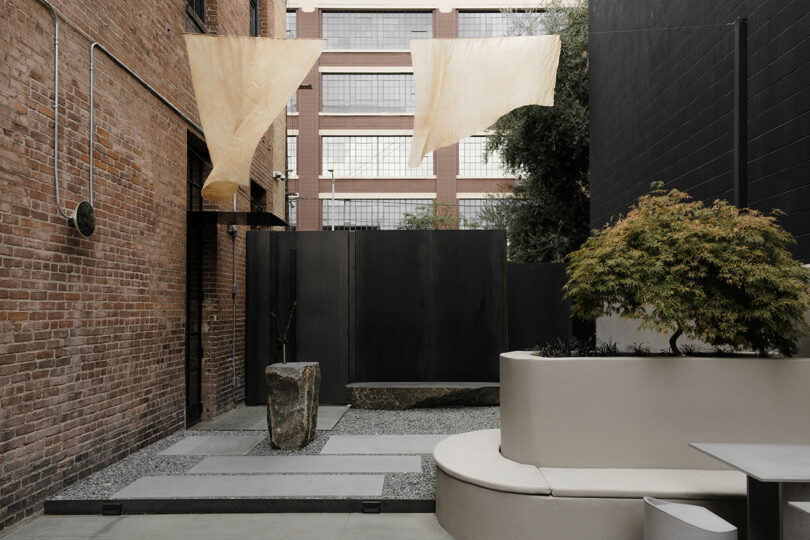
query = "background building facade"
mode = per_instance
[
  {"x": 111, "y": 342},
  {"x": 354, "y": 115},
  {"x": 662, "y": 104}
]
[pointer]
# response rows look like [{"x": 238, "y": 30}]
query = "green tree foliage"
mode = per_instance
[
  {"x": 437, "y": 215},
  {"x": 547, "y": 148},
  {"x": 716, "y": 273}
]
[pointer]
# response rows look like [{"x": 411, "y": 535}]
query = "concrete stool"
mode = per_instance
[{"x": 674, "y": 521}]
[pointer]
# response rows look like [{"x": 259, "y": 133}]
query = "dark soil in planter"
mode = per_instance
[{"x": 574, "y": 347}]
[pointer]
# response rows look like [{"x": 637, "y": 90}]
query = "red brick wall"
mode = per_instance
[{"x": 92, "y": 331}]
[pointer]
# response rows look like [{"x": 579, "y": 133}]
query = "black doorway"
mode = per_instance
[{"x": 194, "y": 288}]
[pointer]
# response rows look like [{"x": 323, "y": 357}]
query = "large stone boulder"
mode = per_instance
[
  {"x": 292, "y": 403},
  {"x": 408, "y": 395}
]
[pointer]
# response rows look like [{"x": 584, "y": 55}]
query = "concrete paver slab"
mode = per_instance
[
  {"x": 281, "y": 485},
  {"x": 206, "y": 445},
  {"x": 234, "y": 526},
  {"x": 329, "y": 415},
  {"x": 382, "y": 444},
  {"x": 238, "y": 419},
  {"x": 254, "y": 418},
  {"x": 308, "y": 464}
]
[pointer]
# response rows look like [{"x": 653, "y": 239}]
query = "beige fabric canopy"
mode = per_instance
[
  {"x": 242, "y": 84},
  {"x": 464, "y": 85}
]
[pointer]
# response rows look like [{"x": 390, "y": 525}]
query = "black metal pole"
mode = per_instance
[{"x": 741, "y": 112}]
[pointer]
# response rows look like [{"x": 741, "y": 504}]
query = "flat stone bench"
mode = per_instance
[
  {"x": 407, "y": 395},
  {"x": 482, "y": 495}
]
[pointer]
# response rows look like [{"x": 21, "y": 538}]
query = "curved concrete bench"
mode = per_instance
[
  {"x": 482, "y": 495},
  {"x": 602, "y": 433},
  {"x": 476, "y": 458}
]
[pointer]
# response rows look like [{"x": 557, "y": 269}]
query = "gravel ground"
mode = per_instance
[
  {"x": 418, "y": 421},
  {"x": 147, "y": 462}
]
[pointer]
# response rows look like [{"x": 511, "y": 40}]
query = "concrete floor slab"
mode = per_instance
[
  {"x": 269, "y": 485},
  {"x": 214, "y": 446},
  {"x": 307, "y": 464},
  {"x": 234, "y": 526},
  {"x": 382, "y": 444}
]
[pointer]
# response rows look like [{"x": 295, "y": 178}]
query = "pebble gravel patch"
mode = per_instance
[
  {"x": 418, "y": 421},
  {"x": 416, "y": 486}
]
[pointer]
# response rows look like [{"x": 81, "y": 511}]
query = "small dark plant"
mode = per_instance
[
  {"x": 639, "y": 349},
  {"x": 725, "y": 350},
  {"x": 607, "y": 348},
  {"x": 559, "y": 347},
  {"x": 282, "y": 336},
  {"x": 568, "y": 347},
  {"x": 716, "y": 273}
]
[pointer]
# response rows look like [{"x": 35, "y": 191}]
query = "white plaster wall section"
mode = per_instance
[{"x": 625, "y": 333}]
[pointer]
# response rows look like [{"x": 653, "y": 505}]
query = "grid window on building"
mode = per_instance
[
  {"x": 469, "y": 212},
  {"x": 471, "y": 160},
  {"x": 368, "y": 93},
  {"x": 474, "y": 24},
  {"x": 197, "y": 7},
  {"x": 368, "y": 214},
  {"x": 375, "y": 29},
  {"x": 292, "y": 22},
  {"x": 254, "y": 18},
  {"x": 372, "y": 157},
  {"x": 292, "y": 105},
  {"x": 292, "y": 213},
  {"x": 292, "y": 156}
]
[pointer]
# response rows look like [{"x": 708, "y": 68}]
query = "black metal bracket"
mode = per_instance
[{"x": 741, "y": 112}]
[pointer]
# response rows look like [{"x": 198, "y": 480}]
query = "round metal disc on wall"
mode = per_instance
[{"x": 84, "y": 219}]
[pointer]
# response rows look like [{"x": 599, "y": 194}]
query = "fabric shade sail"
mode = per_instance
[
  {"x": 242, "y": 84},
  {"x": 463, "y": 86}
]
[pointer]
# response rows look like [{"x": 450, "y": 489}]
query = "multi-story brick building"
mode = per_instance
[
  {"x": 110, "y": 342},
  {"x": 353, "y": 116}
]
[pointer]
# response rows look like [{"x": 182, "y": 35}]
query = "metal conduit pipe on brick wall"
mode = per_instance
[{"x": 94, "y": 44}]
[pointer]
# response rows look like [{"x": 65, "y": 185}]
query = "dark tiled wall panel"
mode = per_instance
[{"x": 662, "y": 104}]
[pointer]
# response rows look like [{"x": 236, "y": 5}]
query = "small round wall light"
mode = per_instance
[{"x": 84, "y": 219}]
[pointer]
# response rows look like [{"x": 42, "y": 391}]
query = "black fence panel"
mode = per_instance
[
  {"x": 322, "y": 313},
  {"x": 394, "y": 306},
  {"x": 430, "y": 305},
  {"x": 271, "y": 291},
  {"x": 259, "y": 302},
  {"x": 469, "y": 292},
  {"x": 537, "y": 311}
]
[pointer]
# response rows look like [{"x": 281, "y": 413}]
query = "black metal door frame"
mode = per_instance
[{"x": 194, "y": 292}]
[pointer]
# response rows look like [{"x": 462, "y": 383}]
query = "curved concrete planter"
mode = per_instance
[
  {"x": 604, "y": 432},
  {"x": 642, "y": 412}
]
